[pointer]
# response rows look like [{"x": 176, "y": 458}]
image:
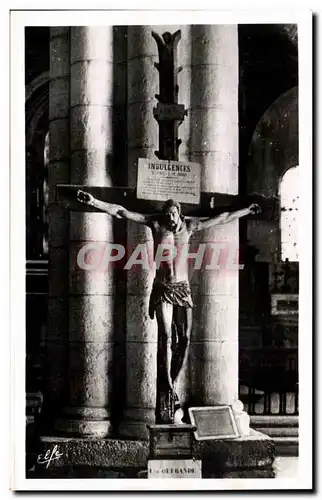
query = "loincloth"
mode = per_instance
[{"x": 177, "y": 294}]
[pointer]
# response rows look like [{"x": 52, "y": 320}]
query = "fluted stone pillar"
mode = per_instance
[
  {"x": 214, "y": 144},
  {"x": 58, "y": 172},
  {"x": 141, "y": 331},
  {"x": 91, "y": 292}
]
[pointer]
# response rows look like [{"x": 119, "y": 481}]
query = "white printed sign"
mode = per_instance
[
  {"x": 160, "y": 180},
  {"x": 174, "y": 468}
]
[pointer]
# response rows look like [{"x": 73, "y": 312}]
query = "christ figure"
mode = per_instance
[{"x": 170, "y": 300}]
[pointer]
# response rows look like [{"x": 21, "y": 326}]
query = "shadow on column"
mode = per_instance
[
  {"x": 196, "y": 149},
  {"x": 119, "y": 176}
]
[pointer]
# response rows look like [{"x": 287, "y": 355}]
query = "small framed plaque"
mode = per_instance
[{"x": 213, "y": 422}]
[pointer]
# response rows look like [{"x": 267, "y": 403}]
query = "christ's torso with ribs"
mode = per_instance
[{"x": 176, "y": 243}]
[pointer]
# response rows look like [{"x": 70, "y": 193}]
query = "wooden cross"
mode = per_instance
[{"x": 211, "y": 204}]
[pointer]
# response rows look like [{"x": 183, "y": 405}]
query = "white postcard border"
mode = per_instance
[{"x": 17, "y": 241}]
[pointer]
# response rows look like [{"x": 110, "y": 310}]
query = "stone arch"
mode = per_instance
[
  {"x": 274, "y": 145},
  {"x": 37, "y": 113},
  {"x": 273, "y": 150},
  {"x": 36, "y": 83},
  {"x": 36, "y": 129}
]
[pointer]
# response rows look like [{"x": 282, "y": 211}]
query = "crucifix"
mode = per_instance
[{"x": 170, "y": 301}]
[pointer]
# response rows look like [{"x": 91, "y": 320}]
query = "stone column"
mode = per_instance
[
  {"x": 141, "y": 331},
  {"x": 183, "y": 383},
  {"x": 58, "y": 172},
  {"x": 214, "y": 144},
  {"x": 91, "y": 295}
]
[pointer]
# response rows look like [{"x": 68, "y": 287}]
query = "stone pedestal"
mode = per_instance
[
  {"x": 245, "y": 457},
  {"x": 250, "y": 457}
]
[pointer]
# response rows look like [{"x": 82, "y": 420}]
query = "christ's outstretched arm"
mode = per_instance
[
  {"x": 224, "y": 218},
  {"x": 117, "y": 211}
]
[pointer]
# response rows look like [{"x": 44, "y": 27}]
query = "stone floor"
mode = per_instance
[{"x": 286, "y": 467}]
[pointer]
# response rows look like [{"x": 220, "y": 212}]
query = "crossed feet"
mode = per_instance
[{"x": 174, "y": 397}]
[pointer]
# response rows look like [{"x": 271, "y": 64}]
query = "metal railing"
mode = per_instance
[{"x": 268, "y": 380}]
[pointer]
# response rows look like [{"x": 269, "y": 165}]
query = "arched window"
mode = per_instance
[{"x": 289, "y": 197}]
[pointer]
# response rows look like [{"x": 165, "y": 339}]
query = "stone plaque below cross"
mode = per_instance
[{"x": 213, "y": 422}]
